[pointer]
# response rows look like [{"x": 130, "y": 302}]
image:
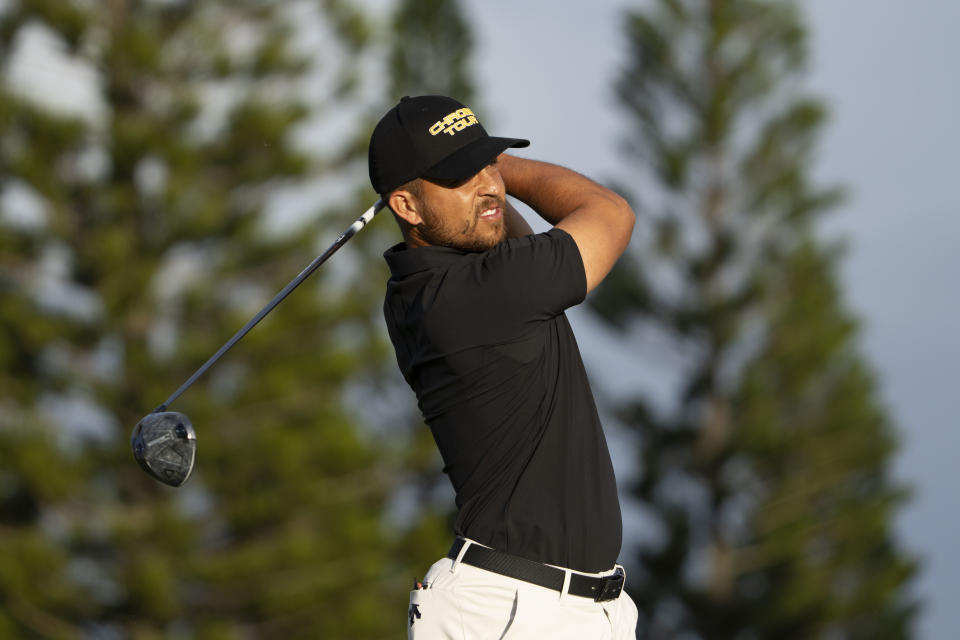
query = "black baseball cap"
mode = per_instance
[{"x": 431, "y": 137}]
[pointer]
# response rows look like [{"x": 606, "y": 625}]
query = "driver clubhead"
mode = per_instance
[{"x": 165, "y": 445}]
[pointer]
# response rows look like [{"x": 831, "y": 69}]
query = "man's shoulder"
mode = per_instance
[
  {"x": 516, "y": 265},
  {"x": 551, "y": 236},
  {"x": 529, "y": 246}
]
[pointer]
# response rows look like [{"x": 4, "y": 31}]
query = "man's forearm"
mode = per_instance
[{"x": 552, "y": 191}]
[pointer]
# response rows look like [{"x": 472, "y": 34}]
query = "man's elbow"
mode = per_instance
[{"x": 622, "y": 213}]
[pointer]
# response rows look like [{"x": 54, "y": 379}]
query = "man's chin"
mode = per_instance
[
  {"x": 500, "y": 237},
  {"x": 474, "y": 244}
]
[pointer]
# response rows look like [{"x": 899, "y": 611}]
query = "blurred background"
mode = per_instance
[{"x": 773, "y": 358}]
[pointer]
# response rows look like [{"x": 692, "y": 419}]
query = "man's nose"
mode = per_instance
[{"x": 492, "y": 182}]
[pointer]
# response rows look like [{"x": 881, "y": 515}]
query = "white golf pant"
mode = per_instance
[{"x": 461, "y": 602}]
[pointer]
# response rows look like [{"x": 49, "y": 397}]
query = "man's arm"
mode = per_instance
[
  {"x": 517, "y": 226},
  {"x": 599, "y": 220}
]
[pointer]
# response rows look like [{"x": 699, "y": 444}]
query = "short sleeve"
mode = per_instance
[{"x": 532, "y": 278}]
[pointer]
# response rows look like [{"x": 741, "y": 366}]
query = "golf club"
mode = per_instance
[{"x": 164, "y": 442}]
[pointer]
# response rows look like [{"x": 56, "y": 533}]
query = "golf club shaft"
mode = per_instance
[{"x": 359, "y": 224}]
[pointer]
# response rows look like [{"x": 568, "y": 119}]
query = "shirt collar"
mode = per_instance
[{"x": 404, "y": 261}]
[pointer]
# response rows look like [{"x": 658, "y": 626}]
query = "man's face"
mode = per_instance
[{"x": 466, "y": 215}]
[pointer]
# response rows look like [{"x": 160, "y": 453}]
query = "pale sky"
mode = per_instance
[{"x": 545, "y": 71}]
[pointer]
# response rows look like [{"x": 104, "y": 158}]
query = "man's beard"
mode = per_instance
[{"x": 437, "y": 232}]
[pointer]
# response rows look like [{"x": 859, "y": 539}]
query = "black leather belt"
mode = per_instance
[{"x": 598, "y": 589}]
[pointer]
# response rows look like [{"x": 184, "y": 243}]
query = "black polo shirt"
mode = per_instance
[{"x": 483, "y": 341}]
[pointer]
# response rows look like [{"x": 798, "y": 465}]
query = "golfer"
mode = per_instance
[{"x": 475, "y": 310}]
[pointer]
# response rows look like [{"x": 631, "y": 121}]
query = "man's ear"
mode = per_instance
[{"x": 406, "y": 206}]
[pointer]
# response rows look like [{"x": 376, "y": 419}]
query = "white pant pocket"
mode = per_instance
[{"x": 433, "y": 615}]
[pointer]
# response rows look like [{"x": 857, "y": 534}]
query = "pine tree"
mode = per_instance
[
  {"x": 432, "y": 44},
  {"x": 819, "y": 441},
  {"x": 764, "y": 469},
  {"x": 157, "y": 246}
]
